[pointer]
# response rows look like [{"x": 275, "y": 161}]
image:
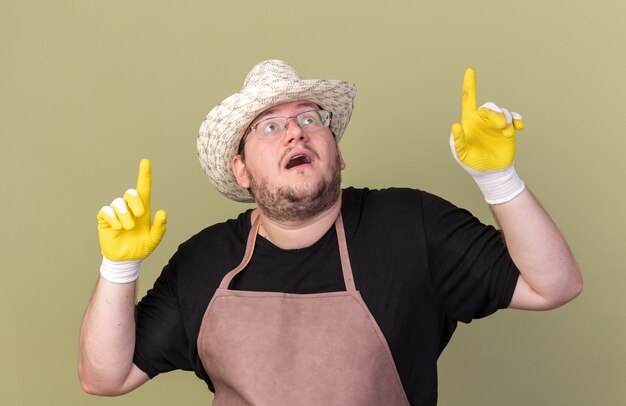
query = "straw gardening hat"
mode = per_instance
[{"x": 268, "y": 84}]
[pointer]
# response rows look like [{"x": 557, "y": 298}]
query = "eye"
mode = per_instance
[
  {"x": 269, "y": 127},
  {"x": 309, "y": 119}
]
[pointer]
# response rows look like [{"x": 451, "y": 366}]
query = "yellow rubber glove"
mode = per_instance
[
  {"x": 125, "y": 230},
  {"x": 484, "y": 144}
]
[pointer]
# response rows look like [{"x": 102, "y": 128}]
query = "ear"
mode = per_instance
[
  {"x": 241, "y": 174},
  {"x": 342, "y": 163}
]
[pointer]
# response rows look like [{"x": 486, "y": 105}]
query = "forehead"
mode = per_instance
[{"x": 286, "y": 108}]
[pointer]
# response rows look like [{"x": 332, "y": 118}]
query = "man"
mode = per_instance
[{"x": 320, "y": 295}]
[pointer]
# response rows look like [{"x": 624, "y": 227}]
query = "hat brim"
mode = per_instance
[{"x": 225, "y": 125}]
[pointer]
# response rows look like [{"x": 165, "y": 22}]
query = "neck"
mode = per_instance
[{"x": 297, "y": 234}]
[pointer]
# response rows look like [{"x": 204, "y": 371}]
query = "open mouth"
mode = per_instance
[{"x": 298, "y": 160}]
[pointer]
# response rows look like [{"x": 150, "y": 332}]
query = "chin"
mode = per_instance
[
  {"x": 305, "y": 188},
  {"x": 303, "y": 197}
]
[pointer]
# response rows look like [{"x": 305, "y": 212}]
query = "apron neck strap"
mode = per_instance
[
  {"x": 254, "y": 230},
  {"x": 346, "y": 268}
]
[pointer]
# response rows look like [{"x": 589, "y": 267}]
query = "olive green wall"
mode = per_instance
[{"x": 87, "y": 88}]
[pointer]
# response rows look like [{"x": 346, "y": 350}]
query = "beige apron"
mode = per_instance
[{"x": 272, "y": 348}]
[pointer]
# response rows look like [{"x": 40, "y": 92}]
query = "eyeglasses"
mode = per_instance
[
  {"x": 274, "y": 127},
  {"x": 308, "y": 120}
]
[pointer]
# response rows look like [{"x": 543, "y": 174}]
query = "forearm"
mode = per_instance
[
  {"x": 107, "y": 339},
  {"x": 550, "y": 276}
]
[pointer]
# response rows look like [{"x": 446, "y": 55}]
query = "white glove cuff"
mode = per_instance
[
  {"x": 497, "y": 186},
  {"x": 120, "y": 271}
]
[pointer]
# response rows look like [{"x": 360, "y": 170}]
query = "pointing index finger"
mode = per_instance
[
  {"x": 468, "y": 97},
  {"x": 144, "y": 180}
]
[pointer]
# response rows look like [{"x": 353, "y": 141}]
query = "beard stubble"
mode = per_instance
[{"x": 287, "y": 203}]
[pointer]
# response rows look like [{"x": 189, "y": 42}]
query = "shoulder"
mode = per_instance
[
  {"x": 213, "y": 251},
  {"x": 396, "y": 211},
  {"x": 378, "y": 198},
  {"x": 232, "y": 231},
  {"x": 371, "y": 213},
  {"x": 392, "y": 201},
  {"x": 353, "y": 195}
]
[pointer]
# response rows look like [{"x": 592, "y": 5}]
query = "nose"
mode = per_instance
[{"x": 293, "y": 131}]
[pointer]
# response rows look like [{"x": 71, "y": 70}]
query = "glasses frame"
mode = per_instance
[{"x": 253, "y": 127}]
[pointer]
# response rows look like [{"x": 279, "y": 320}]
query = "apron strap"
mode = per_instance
[
  {"x": 346, "y": 268},
  {"x": 254, "y": 230}
]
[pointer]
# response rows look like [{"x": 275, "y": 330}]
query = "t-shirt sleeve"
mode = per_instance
[
  {"x": 161, "y": 342},
  {"x": 471, "y": 270}
]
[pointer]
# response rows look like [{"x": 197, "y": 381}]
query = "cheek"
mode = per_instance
[
  {"x": 260, "y": 160},
  {"x": 334, "y": 153}
]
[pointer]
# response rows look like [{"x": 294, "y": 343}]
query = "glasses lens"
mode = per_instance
[
  {"x": 270, "y": 127},
  {"x": 325, "y": 117},
  {"x": 313, "y": 120}
]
